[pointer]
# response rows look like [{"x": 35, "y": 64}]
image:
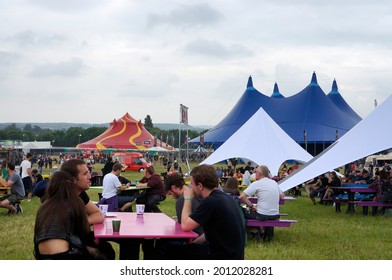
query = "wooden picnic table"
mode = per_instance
[{"x": 351, "y": 189}]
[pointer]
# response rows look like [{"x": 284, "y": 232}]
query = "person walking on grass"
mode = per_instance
[{"x": 27, "y": 176}]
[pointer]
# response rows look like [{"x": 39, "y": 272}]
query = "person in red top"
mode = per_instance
[{"x": 155, "y": 193}]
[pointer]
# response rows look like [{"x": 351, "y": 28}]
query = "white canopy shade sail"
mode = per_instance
[
  {"x": 262, "y": 141},
  {"x": 369, "y": 136}
]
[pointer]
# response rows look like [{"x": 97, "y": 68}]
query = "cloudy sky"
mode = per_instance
[{"x": 92, "y": 61}]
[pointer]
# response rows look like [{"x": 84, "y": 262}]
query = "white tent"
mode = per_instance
[
  {"x": 200, "y": 150},
  {"x": 157, "y": 149},
  {"x": 262, "y": 141},
  {"x": 369, "y": 136}
]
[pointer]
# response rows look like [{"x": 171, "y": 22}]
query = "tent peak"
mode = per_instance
[
  {"x": 276, "y": 93},
  {"x": 334, "y": 87},
  {"x": 313, "y": 82},
  {"x": 250, "y": 84}
]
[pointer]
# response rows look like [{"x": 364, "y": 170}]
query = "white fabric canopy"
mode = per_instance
[
  {"x": 369, "y": 136},
  {"x": 262, "y": 141},
  {"x": 157, "y": 149}
]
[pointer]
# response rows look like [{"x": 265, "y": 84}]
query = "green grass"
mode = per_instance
[{"x": 320, "y": 234}]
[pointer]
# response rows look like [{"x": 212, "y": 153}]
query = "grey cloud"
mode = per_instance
[
  {"x": 66, "y": 6},
  {"x": 71, "y": 68},
  {"x": 187, "y": 16},
  {"x": 216, "y": 49},
  {"x": 8, "y": 58},
  {"x": 30, "y": 38}
]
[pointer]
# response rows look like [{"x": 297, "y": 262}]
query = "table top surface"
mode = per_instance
[
  {"x": 129, "y": 188},
  {"x": 361, "y": 188},
  {"x": 148, "y": 225}
]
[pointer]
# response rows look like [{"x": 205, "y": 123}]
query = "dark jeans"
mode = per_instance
[
  {"x": 130, "y": 248},
  {"x": 184, "y": 251},
  {"x": 268, "y": 231},
  {"x": 152, "y": 201}
]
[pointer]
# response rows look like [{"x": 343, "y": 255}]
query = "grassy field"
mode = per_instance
[{"x": 320, "y": 234}]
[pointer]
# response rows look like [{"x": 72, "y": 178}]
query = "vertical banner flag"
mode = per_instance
[
  {"x": 202, "y": 139},
  {"x": 172, "y": 139},
  {"x": 167, "y": 140},
  {"x": 155, "y": 140},
  {"x": 305, "y": 135},
  {"x": 161, "y": 139},
  {"x": 184, "y": 114}
]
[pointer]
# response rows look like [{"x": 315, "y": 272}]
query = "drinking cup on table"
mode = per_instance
[
  {"x": 108, "y": 224},
  {"x": 103, "y": 208},
  {"x": 116, "y": 225},
  {"x": 140, "y": 209}
]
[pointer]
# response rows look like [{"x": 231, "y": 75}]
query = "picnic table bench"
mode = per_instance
[
  {"x": 374, "y": 204},
  {"x": 269, "y": 226}
]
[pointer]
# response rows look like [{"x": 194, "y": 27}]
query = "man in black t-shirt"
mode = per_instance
[
  {"x": 107, "y": 168},
  {"x": 78, "y": 170},
  {"x": 219, "y": 216}
]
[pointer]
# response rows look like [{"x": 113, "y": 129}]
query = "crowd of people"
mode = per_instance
[{"x": 209, "y": 206}]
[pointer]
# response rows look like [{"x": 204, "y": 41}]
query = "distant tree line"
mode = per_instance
[{"x": 75, "y": 135}]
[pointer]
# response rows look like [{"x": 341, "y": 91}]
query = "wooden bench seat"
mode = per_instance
[{"x": 374, "y": 204}]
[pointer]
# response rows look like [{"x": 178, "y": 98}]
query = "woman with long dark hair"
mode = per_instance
[{"x": 61, "y": 226}]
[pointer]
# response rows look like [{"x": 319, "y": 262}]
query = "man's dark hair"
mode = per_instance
[
  {"x": 117, "y": 167},
  {"x": 29, "y": 155},
  {"x": 175, "y": 179},
  {"x": 150, "y": 170},
  {"x": 11, "y": 166},
  {"x": 206, "y": 175},
  {"x": 71, "y": 166}
]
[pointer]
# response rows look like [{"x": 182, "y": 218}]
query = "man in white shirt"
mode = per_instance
[
  {"x": 27, "y": 176},
  {"x": 111, "y": 184},
  {"x": 268, "y": 195}
]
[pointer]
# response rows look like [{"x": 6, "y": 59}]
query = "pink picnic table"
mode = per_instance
[{"x": 148, "y": 225}]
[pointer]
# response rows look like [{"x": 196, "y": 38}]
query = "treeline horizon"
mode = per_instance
[{"x": 72, "y": 136}]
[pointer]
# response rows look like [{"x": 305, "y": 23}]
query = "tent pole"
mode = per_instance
[{"x": 179, "y": 141}]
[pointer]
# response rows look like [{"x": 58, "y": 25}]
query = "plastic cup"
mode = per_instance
[
  {"x": 103, "y": 208},
  {"x": 116, "y": 225},
  {"x": 140, "y": 209},
  {"x": 108, "y": 224}
]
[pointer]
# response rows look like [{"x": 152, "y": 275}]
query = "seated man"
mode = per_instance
[
  {"x": 111, "y": 184},
  {"x": 155, "y": 192},
  {"x": 14, "y": 182},
  {"x": 268, "y": 196},
  {"x": 219, "y": 216},
  {"x": 174, "y": 186}
]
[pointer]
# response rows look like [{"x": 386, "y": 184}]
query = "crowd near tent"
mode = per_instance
[
  {"x": 261, "y": 141},
  {"x": 364, "y": 139},
  {"x": 124, "y": 133},
  {"x": 309, "y": 116}
]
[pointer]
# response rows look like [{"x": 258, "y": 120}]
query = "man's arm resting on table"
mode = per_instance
[
  {"x": 245, "y": 199},
  {"x": 201, "y": 239},
  {"x": 187, "y": 223},
  {"x": 5, "y": 183},
  {"x": 94, "y": 215},
  {"x": 141, "y": 185}
]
